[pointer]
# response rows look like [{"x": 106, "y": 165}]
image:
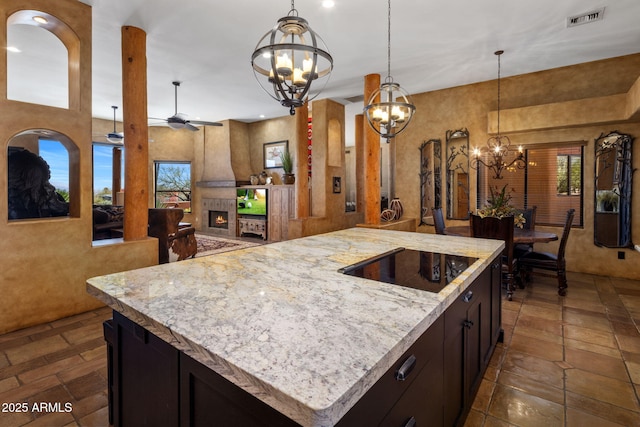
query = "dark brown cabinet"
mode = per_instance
[
  {"x": 433, "y": 383},
  {"x": 144, "y": 377},
  {"x": 207, "y": 399},
  {"x": 472, "y": 328}
]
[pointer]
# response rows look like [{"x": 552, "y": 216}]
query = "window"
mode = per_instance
[
  {"x": 173, "y": 185},
  {"x": 569, "y": 174},
  {"x": 57, "y": 157},
  {"x": 551, "y": 180},
  {"x": 107, "y": 182}
]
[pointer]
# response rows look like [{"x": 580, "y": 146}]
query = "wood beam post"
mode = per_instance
[
  {"x": 136, "y": 133},
  {"x": 116, "y": 174},
  {"x": 301, "y": 159},
  {"x": 371, "y": 158},
  {"x": 360, "y": 167}
]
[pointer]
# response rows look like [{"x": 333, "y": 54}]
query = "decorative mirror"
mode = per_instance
[
  {"x": 458, "y": 174},
  {"x": 430, "y": 177},
  {"x": 613, "y": 179}
]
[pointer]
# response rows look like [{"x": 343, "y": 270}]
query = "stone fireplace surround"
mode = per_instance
[{"x": 227, "y": 205}]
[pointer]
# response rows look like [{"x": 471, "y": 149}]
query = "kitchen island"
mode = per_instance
[{"x": 282, "y": 325}]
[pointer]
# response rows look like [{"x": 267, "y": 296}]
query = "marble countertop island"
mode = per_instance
[{"x": 282, "y": 323}]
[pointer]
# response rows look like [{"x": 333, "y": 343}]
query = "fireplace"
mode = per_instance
[
  {"x": 219, "y": 219},
  {"x": 219, "y": 216}
]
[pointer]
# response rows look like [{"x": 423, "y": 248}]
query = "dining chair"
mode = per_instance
[
  {"x": 548, "y": 261},
  {"x": 438, "y": 220},
  {"x": 499, "y": 229},
  {"x": 529, "y": 215}
]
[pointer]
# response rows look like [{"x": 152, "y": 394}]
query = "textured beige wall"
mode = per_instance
[
  {"x": 469, "y": 106},
  {"x": 46, "y": 262}
]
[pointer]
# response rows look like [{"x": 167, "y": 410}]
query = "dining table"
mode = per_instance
[{"x": 520, "y": 235}]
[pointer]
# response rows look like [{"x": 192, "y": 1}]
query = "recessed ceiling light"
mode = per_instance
[
  {"x": 40, "y": 19},
  {"x": 262, "y": 116},
  {"x": 328, "y": 3},
  {"x": 13, "y": 49}
]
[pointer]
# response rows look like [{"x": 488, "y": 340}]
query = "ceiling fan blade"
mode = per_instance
[
  {"x": 200, "y": 122},
  {"x": 189, "y": 126}
]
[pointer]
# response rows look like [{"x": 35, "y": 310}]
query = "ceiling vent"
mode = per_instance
[{"x": 585, "y": 18}]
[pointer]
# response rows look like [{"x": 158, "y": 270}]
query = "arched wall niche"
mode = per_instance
[
  {"x": 29, "y": 140},
  {"x": 70, "y": 41}
]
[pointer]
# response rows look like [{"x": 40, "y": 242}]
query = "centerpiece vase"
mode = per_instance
[{"x": 396, "y": 207}]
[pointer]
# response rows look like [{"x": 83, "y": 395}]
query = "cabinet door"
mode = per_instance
[
  {"x": 207, "y": 399},
  {"x": 424, "y": 380},
  {"x": 496, "y": 303},
  {"x": 145, "y": 376},
  {"x": 454, "y": 362}
]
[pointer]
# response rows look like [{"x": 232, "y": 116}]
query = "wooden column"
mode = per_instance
[
  {"x": 359, "y": 130},
  {"x": 371, "y": 158},
  {"x": 301, "y": 165},
  {"x": 116, "y": 175},
  {"x": 136, "y": 133}
]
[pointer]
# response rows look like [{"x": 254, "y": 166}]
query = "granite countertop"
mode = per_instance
[{"x": 283, "y": 324}]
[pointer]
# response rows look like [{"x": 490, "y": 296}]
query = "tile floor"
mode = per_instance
[{"x": 572, "y": 361}]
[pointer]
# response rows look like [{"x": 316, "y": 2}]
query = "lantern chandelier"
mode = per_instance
[
  {"x": 392, "y": 113},
  {"x": 288, "y": 58},
  {"x": 498, "y": 147}
]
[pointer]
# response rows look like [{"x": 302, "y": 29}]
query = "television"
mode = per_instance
[{"x": 251, "y": 201}]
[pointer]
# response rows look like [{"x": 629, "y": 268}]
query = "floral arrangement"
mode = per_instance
[{"x": 498, "y": 206}]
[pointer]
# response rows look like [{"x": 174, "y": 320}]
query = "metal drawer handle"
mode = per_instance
[
  {"x": 403, "y": 372},
  {"x": 410, "y": 423},
  {"x": 467, "y": 297}
]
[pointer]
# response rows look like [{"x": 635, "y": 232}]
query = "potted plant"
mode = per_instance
[
  {"x": 287, "y": 166},
  {"x": 499, "y": 206}
]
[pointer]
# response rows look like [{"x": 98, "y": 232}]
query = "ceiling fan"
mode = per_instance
[
  {"x": 180, "y": 121},
  {"x": 115, "y": 137}
]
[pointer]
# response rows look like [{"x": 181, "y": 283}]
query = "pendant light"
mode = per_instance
[
  {"x": 498, "y": 147},
  {"x": 394, "y": 111},
  {"x": 289, "y": 58},
  {"x": 115, "y": 137}
]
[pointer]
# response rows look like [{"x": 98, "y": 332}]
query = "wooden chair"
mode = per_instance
[
  {"x": 438, "y": 220},
  {"x": 174, "y": 243},
  {"x": 529, "y": 224},
  {"x": 499, "y": 229},
  {"x": 548, "y": 261}
]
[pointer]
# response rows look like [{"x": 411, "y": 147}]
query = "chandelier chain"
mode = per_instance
[
  {"x": 389, "y": 39},
  {"x": 499, "y": 53}
]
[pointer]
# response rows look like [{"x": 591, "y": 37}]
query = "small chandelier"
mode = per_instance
[
  {"x": 498, "y": 147},
  {"x": 389, "y": 117},
  {"x": 288, "y": 58}
]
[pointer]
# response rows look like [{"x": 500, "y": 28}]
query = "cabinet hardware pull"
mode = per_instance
[
  {"x": 411, "y": 422},
  {"x": 468, "y": 324},
  {"x": 467, "y": 297},
  {"x": 406, "y": 368}
]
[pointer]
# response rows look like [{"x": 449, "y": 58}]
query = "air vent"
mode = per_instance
[{"x": 585, "y": 18}]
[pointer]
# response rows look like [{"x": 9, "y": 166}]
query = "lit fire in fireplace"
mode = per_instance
[{"x": 220, "y": 220}]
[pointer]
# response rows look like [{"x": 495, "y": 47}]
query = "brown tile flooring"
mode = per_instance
[{"x": 572, "y": 361}]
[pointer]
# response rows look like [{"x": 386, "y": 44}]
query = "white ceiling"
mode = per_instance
[{"x": 435, "y": 44}]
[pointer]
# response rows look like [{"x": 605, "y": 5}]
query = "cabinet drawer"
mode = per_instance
[{"x": 384, "y": 394}]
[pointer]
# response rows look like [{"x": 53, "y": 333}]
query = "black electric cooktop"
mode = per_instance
[{"x": 428, "y": 271}]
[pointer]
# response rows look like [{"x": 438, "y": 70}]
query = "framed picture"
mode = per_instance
[
  {"x": 337, "y": 186},
  {"x": 272, "y": 152}
]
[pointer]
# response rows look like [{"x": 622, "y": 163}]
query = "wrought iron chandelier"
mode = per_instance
[
  {"x": 288, "y": 58},
  {"x": 393, "y": 112},
  {"x": 498, "y": 147}
]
